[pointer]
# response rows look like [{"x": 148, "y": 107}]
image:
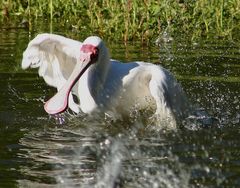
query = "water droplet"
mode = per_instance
[
  {"x": 145, "y": 173},
  {"x": 207, "y": 169},
  {"x": 107, "y": 142}
]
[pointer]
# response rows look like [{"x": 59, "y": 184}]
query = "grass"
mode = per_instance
[{"x": 133, "y": 19}]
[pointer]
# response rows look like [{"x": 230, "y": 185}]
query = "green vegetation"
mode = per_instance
[{"x": 133, "y": 19}]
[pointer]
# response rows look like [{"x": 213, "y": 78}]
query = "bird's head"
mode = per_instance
[{"x": 90, "y": 50}]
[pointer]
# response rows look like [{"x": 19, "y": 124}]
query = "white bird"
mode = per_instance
[{"x": 102, "y": 85}]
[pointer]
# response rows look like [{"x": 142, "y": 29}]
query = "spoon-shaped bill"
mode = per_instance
[{"x": 59, "y": 102}]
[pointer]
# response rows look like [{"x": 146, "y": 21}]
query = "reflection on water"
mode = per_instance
[{"x": 38, "y": 151}]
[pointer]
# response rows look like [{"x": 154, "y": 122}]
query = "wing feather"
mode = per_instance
[{"x": 55, "y": 57}]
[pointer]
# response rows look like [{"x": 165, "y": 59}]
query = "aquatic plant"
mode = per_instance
[{"x": 133, "y": 19}]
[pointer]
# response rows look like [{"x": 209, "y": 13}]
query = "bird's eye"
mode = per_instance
[{"x": 94, "y": 55}]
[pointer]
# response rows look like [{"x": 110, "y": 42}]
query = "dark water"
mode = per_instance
[{"x": 37, "y": 151}]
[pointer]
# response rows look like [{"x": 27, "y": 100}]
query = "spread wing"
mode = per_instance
[{"x": 55, "y": 57}]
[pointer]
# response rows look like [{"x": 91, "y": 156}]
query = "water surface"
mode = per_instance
[{"x": 37, "y": 151}]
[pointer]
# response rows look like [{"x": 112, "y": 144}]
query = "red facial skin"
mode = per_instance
[{"x": 93, "y": 50}]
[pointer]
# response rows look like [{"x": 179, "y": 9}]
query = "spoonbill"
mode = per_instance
[{"x": 101, "y": 85}]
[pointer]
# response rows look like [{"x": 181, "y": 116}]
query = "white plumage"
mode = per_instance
[{"x": 104, "y": 85}]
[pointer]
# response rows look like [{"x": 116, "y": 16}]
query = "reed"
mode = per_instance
[{"x": 134, "y": 19}]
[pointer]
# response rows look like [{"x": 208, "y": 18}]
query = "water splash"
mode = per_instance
[{"x": 98, "y": 158}]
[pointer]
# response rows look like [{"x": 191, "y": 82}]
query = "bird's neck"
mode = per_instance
[
  {"x": 91, "y": 84},
  {"x": 97, "y": 75}
]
